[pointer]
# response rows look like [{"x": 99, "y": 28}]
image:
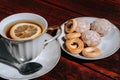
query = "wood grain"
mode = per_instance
[
  {"x": 68, "y": 70},
  {"x": 56, "y": 12}
]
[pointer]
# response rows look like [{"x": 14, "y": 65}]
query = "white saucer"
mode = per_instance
[
  {"x": 108, "y": 46},
  {"x": 48, "y": 58}
]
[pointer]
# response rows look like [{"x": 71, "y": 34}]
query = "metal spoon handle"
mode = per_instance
[
  {"x": 12, "y": 63},
  {"x": 25, "y": 69}
]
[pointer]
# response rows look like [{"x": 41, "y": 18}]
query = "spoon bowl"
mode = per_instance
[
  {"x": 24, "y": 68},
  {"x": 29, "y": 68}
]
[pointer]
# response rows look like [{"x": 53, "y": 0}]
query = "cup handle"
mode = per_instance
[{"x": 55, "y": 27}]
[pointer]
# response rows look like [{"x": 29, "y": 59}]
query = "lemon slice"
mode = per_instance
[{"x": 25, "y": 31}]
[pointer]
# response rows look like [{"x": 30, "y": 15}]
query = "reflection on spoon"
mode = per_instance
[
  {"x": 29, "y": 68},
  {"x": 23, "y": 68}
]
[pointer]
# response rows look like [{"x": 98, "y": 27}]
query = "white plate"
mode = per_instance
[
  {"x": 108, "y": 46},
  {"x": 48, "y": 58}
]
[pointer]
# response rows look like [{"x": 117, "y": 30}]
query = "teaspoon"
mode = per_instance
[{"x": 24, "y": 68}]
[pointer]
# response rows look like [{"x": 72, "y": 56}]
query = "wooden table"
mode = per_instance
[{"x": 58, "y": 11}]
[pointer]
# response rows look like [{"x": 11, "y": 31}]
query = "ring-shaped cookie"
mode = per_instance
[
  {"x": 70, "y": 26},
  {"x": 72, "y": 35},
  {"x": 74, "y": 45},
  {"x": 91, "y": 52}
]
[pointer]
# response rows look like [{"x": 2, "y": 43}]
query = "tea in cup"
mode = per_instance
[{"x": 23, "y": 30}]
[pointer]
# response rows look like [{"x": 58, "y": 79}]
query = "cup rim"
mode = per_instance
[{"x": 19, "y": 14}]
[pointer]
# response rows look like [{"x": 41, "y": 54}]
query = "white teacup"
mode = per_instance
[{"x": 25, "y": 50}]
